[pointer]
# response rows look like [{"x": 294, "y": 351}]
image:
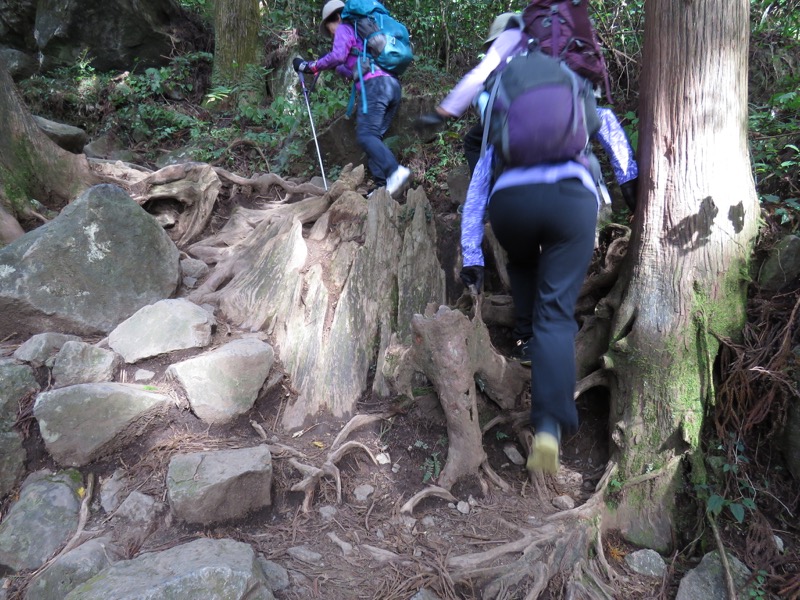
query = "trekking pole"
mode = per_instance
[{"x": 313, "y": 130}]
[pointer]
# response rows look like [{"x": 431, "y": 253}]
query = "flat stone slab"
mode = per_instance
[
  {"x": 41, "y": 521},
  {"x": 221, "y": 569},
  {"x": 79, "y": 362},
  {"x": 83, "y": 422},
  {"x": 163, "y": 327},
  {"x": 213, "y": 487},
  {"x": 224, "y": 383}
]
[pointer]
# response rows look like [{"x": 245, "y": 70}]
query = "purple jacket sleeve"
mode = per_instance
[
  {"x": 459, "y": 99},
  {"x": 615, "y": 142},
  {"x": 474, "y": 209},
  {"x": 343, "y": 41}
]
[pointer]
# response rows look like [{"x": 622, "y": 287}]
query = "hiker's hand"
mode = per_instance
[
  {"x": 629, "y": 189},
  {"x": 472, "y": 276},
  {"x": 302, "y": 66},
  {"x": 431, "y": 120}
]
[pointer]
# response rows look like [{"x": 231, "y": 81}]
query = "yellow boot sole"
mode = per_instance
[{"x": 544, "y": 453}]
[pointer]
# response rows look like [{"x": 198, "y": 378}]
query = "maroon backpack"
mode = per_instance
[{"x": 564, "y": 30}]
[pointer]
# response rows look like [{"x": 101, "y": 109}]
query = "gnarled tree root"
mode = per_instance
[
  {"x": 454, "y": 351},
  {"x": 339, "y": 449},
  {"x": 558, "y": 547}
]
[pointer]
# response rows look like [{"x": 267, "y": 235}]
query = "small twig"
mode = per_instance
[{"x": 729, "y": 584}]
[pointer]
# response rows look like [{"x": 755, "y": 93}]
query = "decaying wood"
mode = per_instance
[{"x": 453, "y": 350}]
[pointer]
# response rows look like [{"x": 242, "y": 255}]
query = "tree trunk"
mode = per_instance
[
  {"x": 31, "y": 165},
  {"x": 686, "y": 276},
  {"x": 237, "y": 48}
]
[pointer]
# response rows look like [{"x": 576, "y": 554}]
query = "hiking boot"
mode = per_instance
[
  {"x": 397, "y": 179},
  {"x": 521, "y": 352},
  {"x": 544, "y": 453}
]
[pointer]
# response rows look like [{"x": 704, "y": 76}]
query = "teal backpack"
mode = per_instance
[{"x": 385, "y": 41}]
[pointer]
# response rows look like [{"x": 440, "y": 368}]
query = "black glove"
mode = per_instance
[
  {"x": 472, "y": 276},
  {"x": 629, "y": 189},
  {"x": 302, "y": 66},
  {"x": 431, "y": 120}
]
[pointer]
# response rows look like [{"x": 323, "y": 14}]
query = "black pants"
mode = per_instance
[{"x": 548, "y": 232}]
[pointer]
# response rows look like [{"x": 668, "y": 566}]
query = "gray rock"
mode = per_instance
[
  {"x": 70, "y": 138},
  {"x": 457, "y": 184},
  {"x": 213, "y": 487},
  {"x": 363, "y": 492},
  {"x": 135, "y": 519},
  {"x": 277, "y": 576},
  {"x": 111, "y": 490},
  {"x": 41, "y": 521},
  {"x": 425, "y": 594},
  {"x": 72, "y": 569},
  {"x": 19, "y": 64},
  {"x": 224, "y": 383},
  {"x": 193, "y": 267},
  {"x": 163, "y": 327},
  {"x": 83, "y": 422},
  {"x": 108, "y": 147},
  {"x": 564, "y": 502},
  {"x": 12, "y": 461},
  {"x": 79, "y": 362},
  {"x": 327, "y": 513},
  {"x": 646, "y": 562},
  {"x": 707, "y": 580},
  {"x": 510, "y": 450},
  {"x": 119, "y": 35},
  {"x": 782, "y": 266},
  {"x": 305, "y": 554},
  {"x": 142, "y": 375},
  {"x": 204, "y": 568},
  {"x": 16, "y": 382},
  {"x": 42, "y": 347},
  {"x": 87, "y": 270}
]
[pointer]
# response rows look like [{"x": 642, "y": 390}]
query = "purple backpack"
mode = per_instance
[
  {"x": 564, "y": 30},
  {"x": 538, "y": 111}
]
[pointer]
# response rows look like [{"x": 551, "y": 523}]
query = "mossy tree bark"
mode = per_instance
[
  {"x": 686, "y": 276},
  {"x": 31, "y": 165},
  {"x": 237, "y": 48}
]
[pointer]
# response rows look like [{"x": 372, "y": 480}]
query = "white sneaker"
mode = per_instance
[{"x": 397, "y": 179}]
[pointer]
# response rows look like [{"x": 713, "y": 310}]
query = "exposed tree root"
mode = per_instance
[
  {"x": 608, "y": 272},
  {"x": 730, "y": 585},
  {"x": 560, "y": 546},
  {"x": 453, "y": 352},
  {"x": 313, "y": 475},
  {"x": 432, "y": 491},
  {"x": 261, "y": 184},
  {"x": 184, "y": 195}
]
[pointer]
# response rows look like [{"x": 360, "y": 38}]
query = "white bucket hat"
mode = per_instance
[
  {"x": 509, "y": 20},
  {"x": 328, "y": 11}
]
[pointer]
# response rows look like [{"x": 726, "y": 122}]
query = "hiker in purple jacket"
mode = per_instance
[
  {"x": 503, "y": 42},
  {"x": 545, "y": 218},
  {"x": 382, "y": 91}
]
